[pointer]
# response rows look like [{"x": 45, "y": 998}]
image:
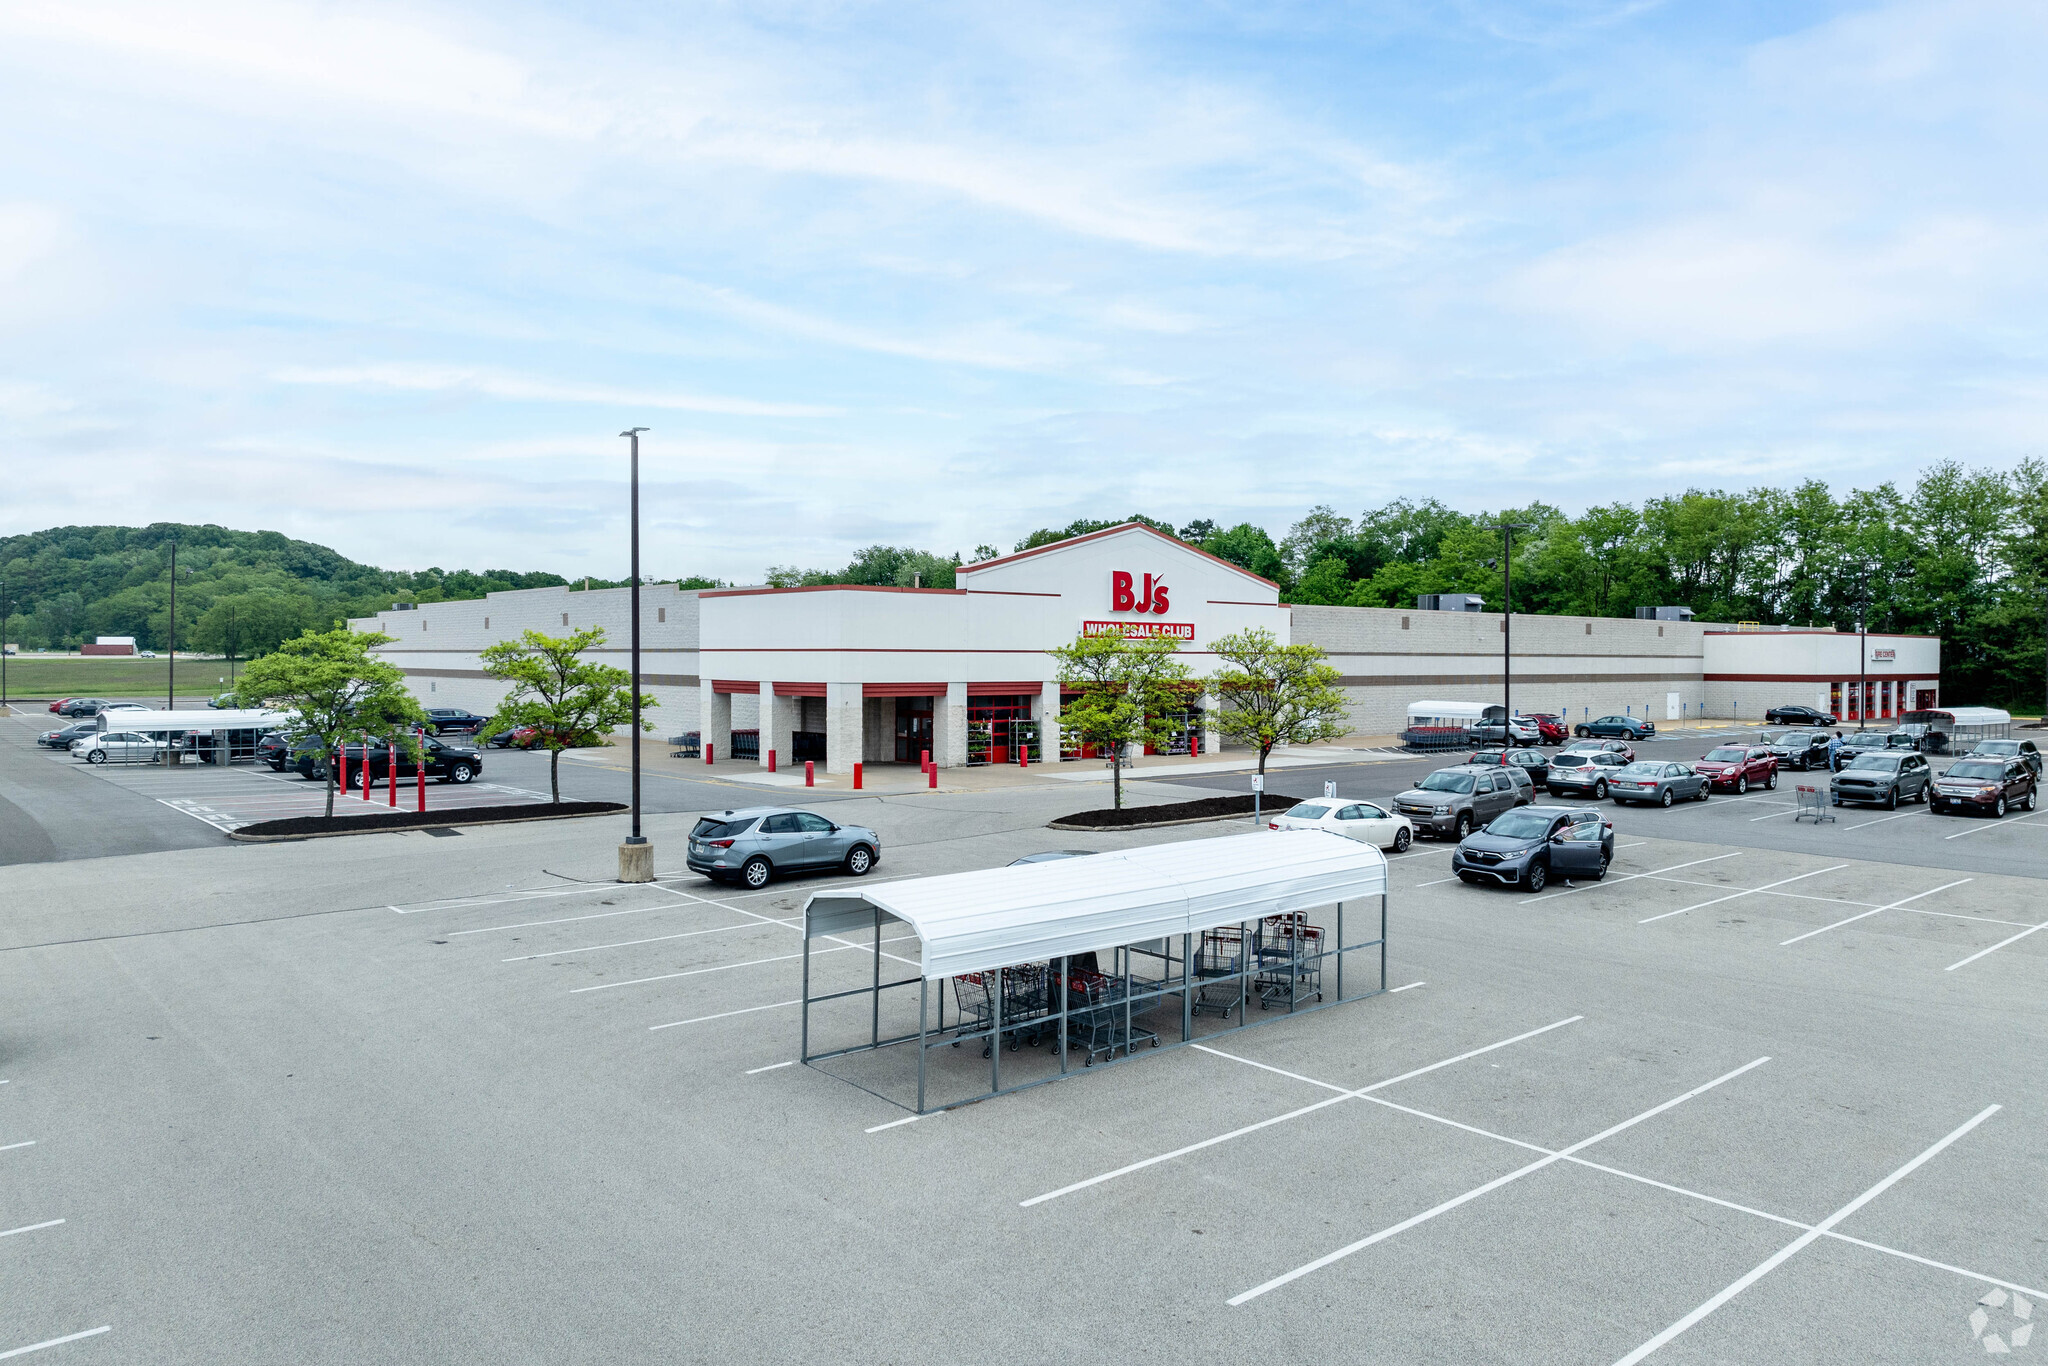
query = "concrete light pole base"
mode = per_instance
[{"x": 636, "y": 863}]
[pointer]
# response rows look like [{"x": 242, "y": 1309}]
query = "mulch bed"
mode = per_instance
[
  {"x": 1172, "y": 813},
  {"x": 307, "y": 827}
]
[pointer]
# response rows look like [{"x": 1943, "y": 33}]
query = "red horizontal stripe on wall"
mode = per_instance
[
  {"x": 902, "y": 690},
  {"x": 739, "y": 685},
  {"x": 1003, "y": 689},
  {"x": 799, "y": 689}
]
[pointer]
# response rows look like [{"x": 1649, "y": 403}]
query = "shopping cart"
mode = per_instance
[
  {"x": 1222, "y": 955},
  {"x": 1101, "y": 1019},
  {"x": 977, "y": 1007},
  {"x": 1290, "y": 964},
  {"x": 1028, "y": 1004},
  {"x": 1812, "y": 802}
]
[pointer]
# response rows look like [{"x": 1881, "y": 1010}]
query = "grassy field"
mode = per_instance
[{"x": 31, "y": 676}]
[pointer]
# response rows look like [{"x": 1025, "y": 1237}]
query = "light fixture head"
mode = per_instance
[{"x": 634, "y": 431}]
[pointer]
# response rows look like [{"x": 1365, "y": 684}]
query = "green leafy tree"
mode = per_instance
[
  {"x": 1127, "y": 692},
  {"x": 571, "y": 702},
  {"x": 1327, "y": 581},
  {"x": 334, "y": 689},
  {"x": 1249, "y": 547},
  {"x": 251, "y": 624},
  {"x": 1273, "y": 694}
]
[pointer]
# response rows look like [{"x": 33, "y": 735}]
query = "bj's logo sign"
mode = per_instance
[{"x": 1121, "y": 599}]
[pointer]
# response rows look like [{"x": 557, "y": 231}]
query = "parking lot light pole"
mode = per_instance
[
  {"x": 171, "y": 676},
  {"x": 6, "y": 620},
  {"x": 1507, "y": 532},
  {"x": 636, "y": 855}
]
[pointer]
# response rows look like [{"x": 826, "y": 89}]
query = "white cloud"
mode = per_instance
[{"x": 528, "y": 389}]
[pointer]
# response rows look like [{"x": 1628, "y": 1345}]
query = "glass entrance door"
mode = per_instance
[{"x": 913, "y": 728}]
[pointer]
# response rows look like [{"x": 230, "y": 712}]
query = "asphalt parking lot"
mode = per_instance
[{"x": 411, "y": 1099}]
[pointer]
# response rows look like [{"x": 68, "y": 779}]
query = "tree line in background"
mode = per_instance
[
  {"x": 1962, "y": 554},
  {"x": 240, "y": 592}
]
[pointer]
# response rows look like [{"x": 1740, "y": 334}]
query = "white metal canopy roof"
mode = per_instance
[
  {"x": 1979, "y": 716},
  {"x": 995, "y": 917},
  {"x": 1468, "y": 710}
]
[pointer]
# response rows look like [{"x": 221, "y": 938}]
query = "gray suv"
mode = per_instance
[
  {"x": 1887, "y": 777},
  {"x": 1451, "y": 802},
  {"x": 755, "y": 845}
]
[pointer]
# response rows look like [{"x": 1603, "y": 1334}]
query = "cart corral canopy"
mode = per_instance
[{"x": 996, "y": 917}]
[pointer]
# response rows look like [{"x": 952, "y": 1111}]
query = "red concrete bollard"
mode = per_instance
[
  {"x": 341, "y": 757},
  {"x": 708, "y": 747},
  {"x": 856, "y": 777},
  {"x": 1194, "y": 744},
  {"x": 1023, "y": 756},
  {"x": 810, "y": 773},
  {"x": 391, "y": 778},
  {"x": 366, "y": 768},
  {"x": 931, "y": 776},
  {"x": 422, "y": 771},
  {"x": 771, "y": 761}
]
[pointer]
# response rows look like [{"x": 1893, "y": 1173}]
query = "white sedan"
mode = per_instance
[{"x": 1366, "y": 822}]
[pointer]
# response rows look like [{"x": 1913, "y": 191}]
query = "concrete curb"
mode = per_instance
[
  {"x": 1148, "y": 825},
  {"x": 407, "y": 829}
]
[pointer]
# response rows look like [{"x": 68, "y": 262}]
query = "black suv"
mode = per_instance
[
  {"x": 1801, "y": 749},
  {"x": 455, "y": 721},
  {"x": 1527, "y": 845},
  {"x": 443, "y": 759},
  {"x": 1797, "y": 716}
]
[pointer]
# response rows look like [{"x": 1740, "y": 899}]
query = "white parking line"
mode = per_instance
[
  {"x": 1746, "y": 891},
  {"x": 1990, "y": 825},
  {"x": 1410, "y": 987},
  {"x": 1784, "y": 1254},
  {"x": 10, "y": 1147},
  {"x": 630, "y": 943},
  {"x": 1625, "y": 1175},
  {"x": 1455, "y": 1201},
  {"x": 1996, "y": 947},
  {"x": 473, "y": 903},
  {"x": 724, "y": 1014},
  {"x": 57, "y": 1342},
  {"x": 1864, "y": 915},
  {"x": 30, "y": 1228},
  {"x": 896, "y": 1123},
  {"x": 757, "y": 1071},
  {"x": 565, "y": 920},
  {"x": 728, "y": 967},
  {"x": 1291, "y": 1114},
  {"x": 1615, "y": 882}
]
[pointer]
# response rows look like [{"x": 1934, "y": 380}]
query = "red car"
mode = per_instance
[
  {"x": 1552, "y": 727},
  {"x": 1735, "y": 767},
  {"x": 58, "y": 703}
]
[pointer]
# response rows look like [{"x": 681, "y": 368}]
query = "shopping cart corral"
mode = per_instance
[{"x": 1055, "y": 967}]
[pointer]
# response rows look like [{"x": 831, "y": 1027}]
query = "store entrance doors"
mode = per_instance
[{"x": 913, "y": 729}]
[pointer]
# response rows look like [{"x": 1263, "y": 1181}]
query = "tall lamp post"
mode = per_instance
[
  {"x": 6, "y": 620},
  {"x": 1507, "y": 532},
  {"x": 1863, "y": 653},
  {"x": 171, "y": 681},
  {"x": 636, "y": 855}
]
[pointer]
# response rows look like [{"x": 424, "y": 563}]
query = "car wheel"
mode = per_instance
[
  {"x": 1464, "y": 825},
  {"x": 1600, "y": 790},
  {"x": 461, "y": 773},
  {"x": 1771, "y": 781},
  {"x": 1665, "y": 800},
  {"x": 1999, "y": 810},
  {"x": 1537, "y": 876},
  {"x": 96, "y": 756},
  {"x": 1580, "y": 732},
  {"x": 1891, "y": 800},
  {"x": 2027, "y": 802},
  {"x": 756, "y": 873},
  {"x": 1706, "y": 791},
  {"x": 859, "y": 859},
  {"x": 1402, "y": 840},
  {"x": 1742, "y": 785}
]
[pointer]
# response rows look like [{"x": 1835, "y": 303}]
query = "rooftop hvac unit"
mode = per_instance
[
  {"x": 1663, "y": 614},
  {"x": 1448, "y": 602}
]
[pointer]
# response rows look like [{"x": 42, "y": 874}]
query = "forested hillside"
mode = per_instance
[{"x": 239, "y": 590}]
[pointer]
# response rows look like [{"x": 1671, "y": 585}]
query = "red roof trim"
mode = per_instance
[
  {"x": 1111, "y": 531},
  {"x": 824, "y": 588},
  {"x": 799, "y": 689},
  {"x": 1004, "y": 689},
  {"x": 902, "y": 690}
]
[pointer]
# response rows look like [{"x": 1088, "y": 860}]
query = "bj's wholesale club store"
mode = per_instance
[{"x": 844, "y": 674}]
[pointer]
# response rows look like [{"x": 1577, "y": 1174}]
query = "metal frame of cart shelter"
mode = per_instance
[{"x": 1127, "y": 905}]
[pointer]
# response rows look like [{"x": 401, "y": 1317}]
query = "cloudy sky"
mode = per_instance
[{"x": 390, "y": 278}]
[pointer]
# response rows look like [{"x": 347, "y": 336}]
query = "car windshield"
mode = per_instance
[
  {"x": 710, "y": 828},
  {"x": 1520, "y": 825},
  {"x": 1796, "y": 737},
  {"x": 1447, "y": 782},
  {"x": 1887, "y": 763},
  {"x": 1310, "y": 811},
  {"x": 1646, "y": 768},
  {"x": 1569, "y": 761},
  {"x": 1969, "y": 770},
  {"x": 1999, "y": 747},
  {"x": 1725, "y": 755}
]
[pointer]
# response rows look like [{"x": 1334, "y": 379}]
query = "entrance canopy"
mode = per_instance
[
  {"x": 1034, "y": 912},
  {"x": 1448, "y": 713}
]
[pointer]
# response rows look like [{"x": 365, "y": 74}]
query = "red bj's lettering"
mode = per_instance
[
  {"x": 1159, "y": 597},
  {"x": 1145, "y": 603},
  {"x": 1120, "y": 599}
]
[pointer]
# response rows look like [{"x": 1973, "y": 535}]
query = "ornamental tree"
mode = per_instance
[
  {"x": 334, "y": 689},
  {"x": 1126, "y": 689},
  {"x": 1273, "y": 693},
  {"x": 570, "y": 702}
]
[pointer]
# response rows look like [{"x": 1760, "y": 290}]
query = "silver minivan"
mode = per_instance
[{"x": 758, "y": 844}]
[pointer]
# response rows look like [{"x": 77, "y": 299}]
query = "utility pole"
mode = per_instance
[
  {"x": 1863, "y": 655},
  {"x": 1507, "y": 532},
  {"x": 636, "y": 856},
  {"x": 6, "y": 618},
  {"x": 171, "y": 682}
]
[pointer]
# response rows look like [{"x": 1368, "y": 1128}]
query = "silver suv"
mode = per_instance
[
  {"x": 1886, "y": 777},
  {"x": 756, "y": 845},
  {"x": 1451, "y": 802}
]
